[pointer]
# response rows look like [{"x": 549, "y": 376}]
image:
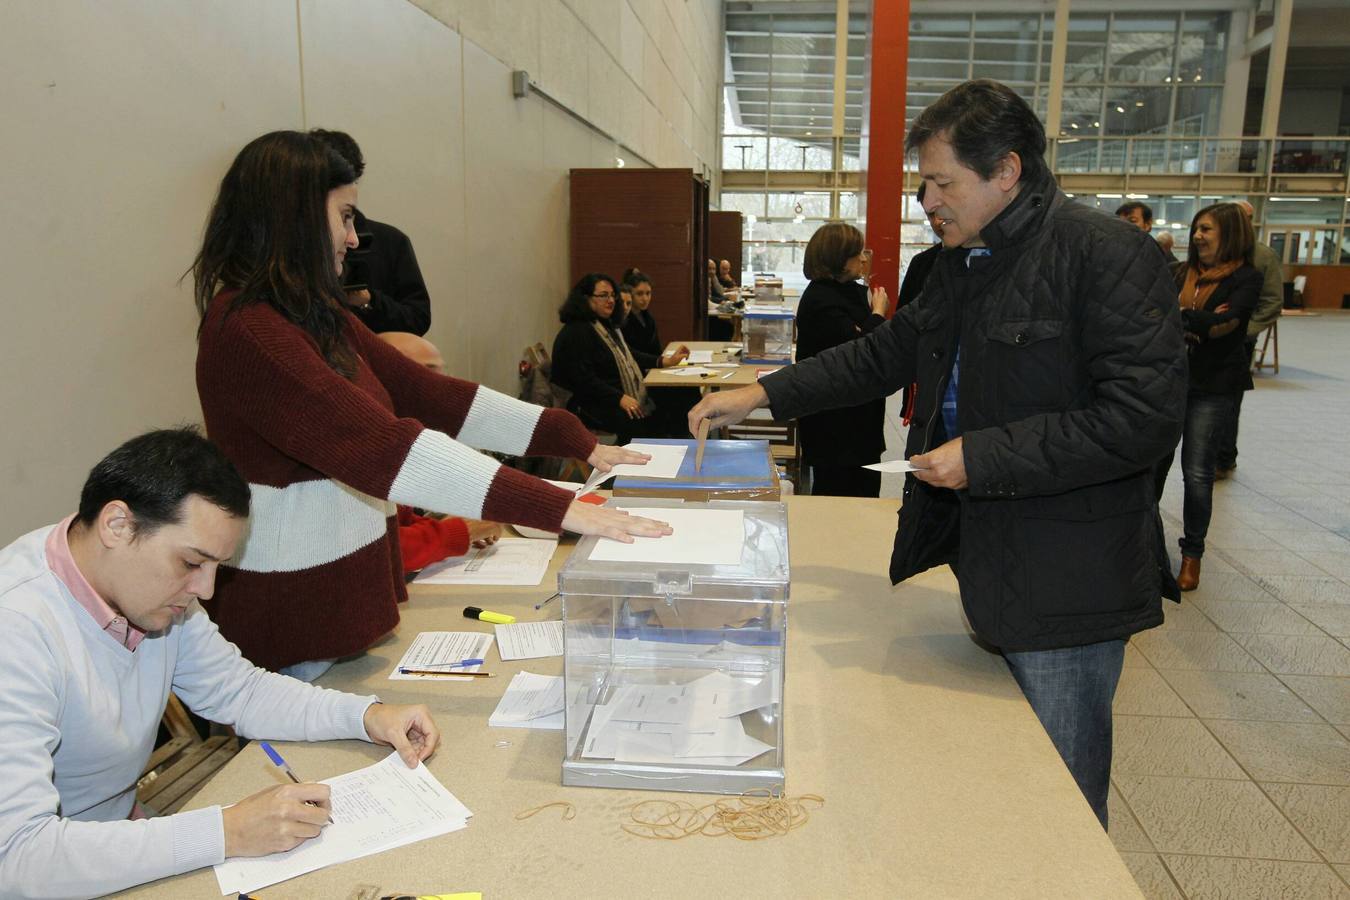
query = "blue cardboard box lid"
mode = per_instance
[{"x": 726, "y": 464}]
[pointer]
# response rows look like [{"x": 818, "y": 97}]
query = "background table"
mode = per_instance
[
  {"x": 937, "y": 778},
  {"x": 740, "y": 376}
]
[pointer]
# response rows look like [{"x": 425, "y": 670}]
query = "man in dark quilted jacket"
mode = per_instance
[{"x": 1051, "y": 375}]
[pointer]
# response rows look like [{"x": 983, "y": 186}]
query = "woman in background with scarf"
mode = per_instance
[{"x": 1218, "y": 290}]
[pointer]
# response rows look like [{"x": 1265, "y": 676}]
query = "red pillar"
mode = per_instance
[{"x": 883, "y": 139}]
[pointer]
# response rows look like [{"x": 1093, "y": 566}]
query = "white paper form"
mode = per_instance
[
  {"x": 509, "y": 561},
  {"x": 689, "y": 371},
  {"x": 894, "y": 465},
  {"x": 530, "y": 640},
  {"x": 702, "y": 536},
  {"x": 377, "y": 808},
  {"x": 700, "y": 356},
  {"x": 530, "y": 701},
  {"x": 665, "y": 462},
  {"x": 438, "y": 649}
]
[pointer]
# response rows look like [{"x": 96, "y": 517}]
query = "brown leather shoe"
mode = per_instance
[
  {"x": 1188, "y": 579},
  {"x": 1224, "y": 474}
]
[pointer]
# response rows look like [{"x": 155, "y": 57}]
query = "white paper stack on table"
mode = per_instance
[
  {"x": 697, "y": 723},
  {"x": 439, "y": 650},
  {"x": 530, "y": 640},
  {"x": 701, "y": 536},
  {"x": 509, "y": 561},
  {"x": 531, "y": 701},
  {"x": 375, "y": 809},
  {"x": 665, "y": 462}
]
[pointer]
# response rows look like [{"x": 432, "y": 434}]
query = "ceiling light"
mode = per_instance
[
  {"x": 618, "y": 161},
  {"x": 1108, "y": 196},
  {"x": 1178, "y": 225},
  {"x": 1139, "y": 103},
  {"x": 1197, "y": 76},
  {"x": 1070, "y": 195},
  {"x": 1136, "y": 196},
  {"x": 1096, "y": 124},
  {"x": 1167, "y": 80},
  {"x": 1294, "y": 199},
  {"x": 1073, "y": 124},
  {"x": 1161, "y": 223},
  {"x": 1120, "y": 109}
]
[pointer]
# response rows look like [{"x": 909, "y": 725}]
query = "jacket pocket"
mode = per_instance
[
  {"x": 1030, "y": 362},
  {"x": 1090, "y": 553}
]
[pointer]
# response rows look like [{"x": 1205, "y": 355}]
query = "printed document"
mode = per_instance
[
  {"x": 531, "y": 701},
  {"x": 375, "y": 809},
  {"x": 530, "y": 640},
  {"x": 509, "y": 561},
  {"x": 438, "y": 650}
]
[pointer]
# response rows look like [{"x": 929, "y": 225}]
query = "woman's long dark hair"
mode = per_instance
[
  {"x": 268, "y": 238},
  {"x": 577, "y": 306},
  {"x": 1237, "y": 238}
]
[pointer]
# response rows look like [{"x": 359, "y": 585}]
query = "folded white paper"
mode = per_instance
[
  {"x": 530, "y": 701},
  {"x": 530, "y": 640},
  {"x": 701, "y": 537},
  {"x": 894, "y": 465}
]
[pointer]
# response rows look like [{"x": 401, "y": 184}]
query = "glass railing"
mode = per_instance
[{"x": 1189, "y": 155}]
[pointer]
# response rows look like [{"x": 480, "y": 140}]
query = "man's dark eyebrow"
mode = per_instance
[{"x": 205, "y": 554}]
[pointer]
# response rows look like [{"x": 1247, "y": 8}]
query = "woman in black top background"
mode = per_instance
[
  {"x": 836, "y": 308},
  {"x": 1218, "y": 289}
]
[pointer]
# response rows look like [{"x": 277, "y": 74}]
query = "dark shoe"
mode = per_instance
[
  {"x": 1188, "y": 579},
  {"x": 1222, "y": 474}
]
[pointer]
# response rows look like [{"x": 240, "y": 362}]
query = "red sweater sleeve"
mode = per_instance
[{"x": 425, "y": 540}]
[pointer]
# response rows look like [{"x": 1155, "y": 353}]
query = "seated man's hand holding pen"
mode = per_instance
[{"x": 276, "y": 819}]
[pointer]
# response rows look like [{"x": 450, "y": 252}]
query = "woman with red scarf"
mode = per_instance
[{"x": 1218, "y": 290}]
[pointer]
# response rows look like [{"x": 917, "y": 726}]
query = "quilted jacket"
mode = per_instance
[{"x": 1073, "y": 384}]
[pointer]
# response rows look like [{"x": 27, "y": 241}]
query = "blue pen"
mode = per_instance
[
  {"x": 281, "y": 764},
  {"x": 462, "y": 662}
]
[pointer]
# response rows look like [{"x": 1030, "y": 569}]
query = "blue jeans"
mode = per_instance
[
  {"x": 309, "y": 670},
  {"x": 1208, "y": 418},
  {"x": 1071, "y": 690}
]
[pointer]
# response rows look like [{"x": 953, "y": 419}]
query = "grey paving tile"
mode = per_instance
[
  {"x": 1307, "y": 588},
  {"x": 1333, "y": 562},
  {"x": 1184, "y": 616},
  {"x": 1242, "y": 617},
  {"x": 1321, "y": 812},
  {"x": 1212, "y": 817},
  {"x": 1302, "y": 752},
  {"x": 1134, "y": 659},
  {"x": 1251, "y": 696},
  {"x": 1123, "y": 830},
  {"x": 1294, "y": 654},
  {"x": 1208, "y": 878},
  {"x": 1263, "y": 562},
  {"x": 1333, "y": 618},
  {"x": 1317, "y": 540},
  {"x": 1227, "y": 586},
  {"x": 1151, "y": 875},
  {"x": 1156, "y": 745},
  {"x": 1143, "y": 692},
  {"x": 1212, "y": 651},
  {"x": 1329, "y": 696}
]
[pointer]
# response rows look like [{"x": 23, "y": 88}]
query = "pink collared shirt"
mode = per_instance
[{"x": 62, "y": 564}]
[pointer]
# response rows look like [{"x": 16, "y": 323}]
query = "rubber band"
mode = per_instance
[
  {"x": 755, "y": 815},
  {"x": 569, "y": 811}
]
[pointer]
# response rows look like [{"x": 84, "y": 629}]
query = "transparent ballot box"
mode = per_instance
[
  {"x": 673, "y": 671},
  {"x": 767, "y": 336}
]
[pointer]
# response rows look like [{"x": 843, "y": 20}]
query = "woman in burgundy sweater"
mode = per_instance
[{"x": 332, "y": 427}]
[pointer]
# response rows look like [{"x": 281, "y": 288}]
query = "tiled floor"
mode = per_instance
[{"x": 1232, "y": 751}]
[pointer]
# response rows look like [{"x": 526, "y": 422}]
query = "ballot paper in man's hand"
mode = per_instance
[{"x": 894, "y": 465}]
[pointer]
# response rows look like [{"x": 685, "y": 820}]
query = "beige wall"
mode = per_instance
[{"x": 121, "y": 118}]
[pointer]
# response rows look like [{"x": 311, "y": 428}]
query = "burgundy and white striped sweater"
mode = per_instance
[{"x": 328, "y": 459}]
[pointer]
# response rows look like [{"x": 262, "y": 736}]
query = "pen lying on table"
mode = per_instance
[{"x": 404, "y": 670}]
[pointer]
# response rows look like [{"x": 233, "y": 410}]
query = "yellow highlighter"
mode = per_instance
[{"x": 484, "y": 615}]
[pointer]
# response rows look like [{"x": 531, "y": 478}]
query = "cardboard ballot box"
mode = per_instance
[
  {"x": 732, "y": 470},
  {"x": 674, "y": 651}
]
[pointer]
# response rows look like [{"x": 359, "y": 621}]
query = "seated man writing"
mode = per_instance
[{"x": 99, "y": 621}]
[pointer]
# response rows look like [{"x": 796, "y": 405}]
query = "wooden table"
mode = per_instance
[
  {"x": 740, "y": 376},
  {"x": 938, "y": 780}
]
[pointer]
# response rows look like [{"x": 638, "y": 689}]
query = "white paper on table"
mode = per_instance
[
  {"x": 702, "y": 536},
  {"x": 380, "y": 807},
  {"x": 530, "y": 701},
  {"x": 665, "y": 462},
  {"x": 530, "y": 640},
  {"x": 894, "y": 465},
  {"x": 722, "y": 365},
  {"x": 700, "y": 356},
  {"x": 689, "y": 371},
  {"x": 509, "y": 561},
  {"x": 438, "y": 649}
]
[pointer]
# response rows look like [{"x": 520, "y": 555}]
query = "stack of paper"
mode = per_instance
[
  {"x": 531, "y": 701},
  {"x": 375, "y": 809},
  {"x": 509, "y": 561},
  {"x": 697, "y": 723},
  {"x": 530, "y": 640},
  {"x": 702, "y": 537},
  {"x": 440, "y": 650}
]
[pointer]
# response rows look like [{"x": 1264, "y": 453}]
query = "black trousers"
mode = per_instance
[{"x": 845, "y": 481}]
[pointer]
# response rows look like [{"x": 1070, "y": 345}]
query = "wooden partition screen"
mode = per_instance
[
  {"x": 656, "y": 220},
  {"x": 724, "y": 239}
]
